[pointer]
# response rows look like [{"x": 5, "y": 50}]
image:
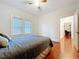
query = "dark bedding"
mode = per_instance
[{"x": 25, "y": 47}]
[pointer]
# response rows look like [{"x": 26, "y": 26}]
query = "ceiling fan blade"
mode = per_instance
[{"x": 44, "y": 1}]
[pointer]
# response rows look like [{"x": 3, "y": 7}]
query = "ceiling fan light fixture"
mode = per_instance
[{"x": 37, "y": 3}]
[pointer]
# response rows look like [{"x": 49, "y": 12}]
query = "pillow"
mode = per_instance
[
  {"x": 3, "y": 42},
  {"x": 5, "y": 36}
]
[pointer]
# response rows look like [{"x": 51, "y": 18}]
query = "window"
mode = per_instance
[
  {"x": 28, "y": 27},
  {"x": 20, "y": 26}
]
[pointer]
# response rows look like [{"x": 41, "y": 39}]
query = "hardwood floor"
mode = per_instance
[
  {"x": 65, "y": 50},
  {"x": 54, "y": 53}
]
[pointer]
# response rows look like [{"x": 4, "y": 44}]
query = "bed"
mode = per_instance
[{"x": 25, "y": 47}]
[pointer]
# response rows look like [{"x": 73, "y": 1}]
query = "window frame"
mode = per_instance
[{"x": 23, "y": 26}]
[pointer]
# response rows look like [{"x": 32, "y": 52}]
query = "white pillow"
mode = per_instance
[{"x": 3, "y": 42}]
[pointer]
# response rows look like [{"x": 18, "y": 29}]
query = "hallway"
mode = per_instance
[{"x": 67, "y": 49}]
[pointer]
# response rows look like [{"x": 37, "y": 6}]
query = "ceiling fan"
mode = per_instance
[{"x": 36, "y": 2}]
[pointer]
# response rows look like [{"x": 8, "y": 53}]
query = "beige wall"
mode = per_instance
[
  {"x": 49, "y": 24},
  {"x": 6, "y": 14}
]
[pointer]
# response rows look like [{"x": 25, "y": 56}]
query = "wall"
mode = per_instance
[
  {"x": 75, "y": 41},
  {"x": 49, "y": 24},
  {"x": 6, "y": 14}
]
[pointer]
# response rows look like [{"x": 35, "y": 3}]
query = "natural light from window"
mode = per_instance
[{"x": 20, "y": 26}]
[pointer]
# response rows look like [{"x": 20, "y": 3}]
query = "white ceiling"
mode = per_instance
[{"x": 51, "y": 5}]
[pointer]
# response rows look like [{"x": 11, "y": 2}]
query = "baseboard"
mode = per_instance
[{"x": 55, "y": 42}]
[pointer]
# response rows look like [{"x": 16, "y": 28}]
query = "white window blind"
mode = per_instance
[
  {"x": 28, "y": 27},
  {"x": 20, "y": 26}
]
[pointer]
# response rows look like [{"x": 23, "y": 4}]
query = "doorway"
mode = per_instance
[
  {"x": 66, "y": 24},
  {"x": 66, "y": 33}
]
